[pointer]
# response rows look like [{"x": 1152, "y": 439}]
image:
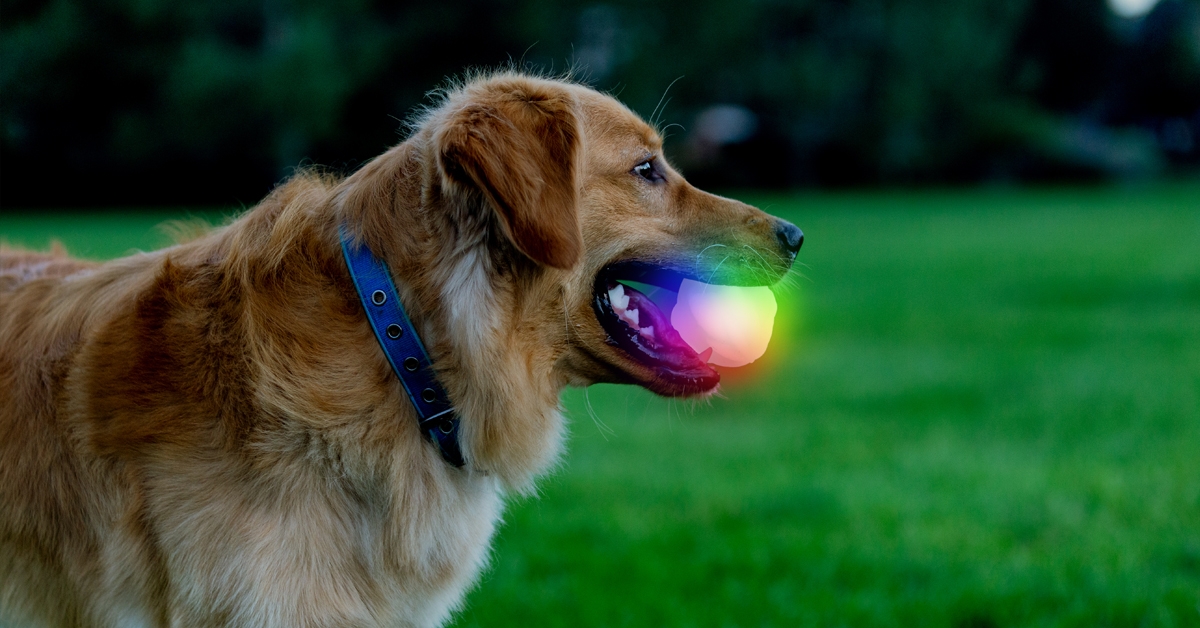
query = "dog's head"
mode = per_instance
[{"x": 537, "y": 198}]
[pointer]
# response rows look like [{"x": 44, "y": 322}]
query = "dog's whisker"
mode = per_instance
[
  {"x": 654, "y": 114},
  {"x": 601, "y": 426},
  {"x": 566, "y": 316},
  {"x": 764, "y": 265},
  {"x": 661, "y": 113},
  {"x": 717, "y": 268},
  {"x": 665, "y": 130},
  {"x": 705, "y": 250}
]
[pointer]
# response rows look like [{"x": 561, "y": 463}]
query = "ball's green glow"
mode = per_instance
[{"x": 734, "y": 322}]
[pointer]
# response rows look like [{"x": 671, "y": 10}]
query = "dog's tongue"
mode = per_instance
[{"x": 733, "y": 323}]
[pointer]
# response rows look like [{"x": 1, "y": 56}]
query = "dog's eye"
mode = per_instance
[{"x": 647, "y": 171}]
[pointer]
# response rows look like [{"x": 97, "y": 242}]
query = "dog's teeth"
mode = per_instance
[
  {"x": 706, "y": 354},
  {"x": 631, "y": 316},
  {"x": 618, "y": 298},
  {"x": 647, "y": 331}
]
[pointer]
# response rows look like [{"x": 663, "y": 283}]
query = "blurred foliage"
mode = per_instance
[{"x": 139, "y": 101}]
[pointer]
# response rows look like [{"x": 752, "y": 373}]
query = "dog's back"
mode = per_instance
[
  {"x": 29, "y": 449},
  {"x": 35, "y": 523},
  {"x": 47, "y": 301},
  {"x": 18, "y": 267}
]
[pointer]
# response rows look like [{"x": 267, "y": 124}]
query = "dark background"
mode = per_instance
[{"x": 131, "y": 102}]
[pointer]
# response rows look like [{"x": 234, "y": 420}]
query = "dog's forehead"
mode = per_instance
[{"x": 614, "y": 130}]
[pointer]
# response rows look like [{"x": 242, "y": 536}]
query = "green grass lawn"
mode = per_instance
[{"x": 981, "y": 408}]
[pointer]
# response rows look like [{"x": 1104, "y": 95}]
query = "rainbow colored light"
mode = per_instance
[{"x": 732, "y": 323}]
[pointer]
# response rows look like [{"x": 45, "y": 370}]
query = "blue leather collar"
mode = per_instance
[{"x": 403, "y": 348}]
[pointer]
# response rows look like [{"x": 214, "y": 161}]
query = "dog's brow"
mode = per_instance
[
  {"x": 644, "y": 134},
  {"x": 653, "y": 141}
]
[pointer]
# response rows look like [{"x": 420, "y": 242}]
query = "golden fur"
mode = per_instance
[{"x": 209, "y": 435}]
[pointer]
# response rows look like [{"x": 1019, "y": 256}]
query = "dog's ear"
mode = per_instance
[{"x": 516, "y": 142}]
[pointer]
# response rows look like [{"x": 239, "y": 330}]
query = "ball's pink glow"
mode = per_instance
[{"x": 735, "y": 322}]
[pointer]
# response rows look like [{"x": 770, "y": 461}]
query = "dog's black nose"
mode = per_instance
[{"x": 790, "y": 236}]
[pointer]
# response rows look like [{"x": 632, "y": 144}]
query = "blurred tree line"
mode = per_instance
[{"x": 144, "y": 101}]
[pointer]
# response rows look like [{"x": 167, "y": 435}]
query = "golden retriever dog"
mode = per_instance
[{"x": 212, "y": 434}]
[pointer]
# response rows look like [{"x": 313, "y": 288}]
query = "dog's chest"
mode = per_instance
[{"x": 320, "y": 555}]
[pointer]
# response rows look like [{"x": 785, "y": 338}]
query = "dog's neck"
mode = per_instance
[
  {"x": 465, "y": 303},
  {"x": 402, "y": 345}
]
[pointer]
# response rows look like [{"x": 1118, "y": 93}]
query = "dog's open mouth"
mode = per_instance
[{"x": 641, "y": 327}]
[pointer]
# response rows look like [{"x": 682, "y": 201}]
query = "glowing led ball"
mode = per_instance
[{"x": 734, "y": 322}]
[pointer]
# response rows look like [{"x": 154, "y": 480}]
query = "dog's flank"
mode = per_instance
[{"x": 210, "y": 434}]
